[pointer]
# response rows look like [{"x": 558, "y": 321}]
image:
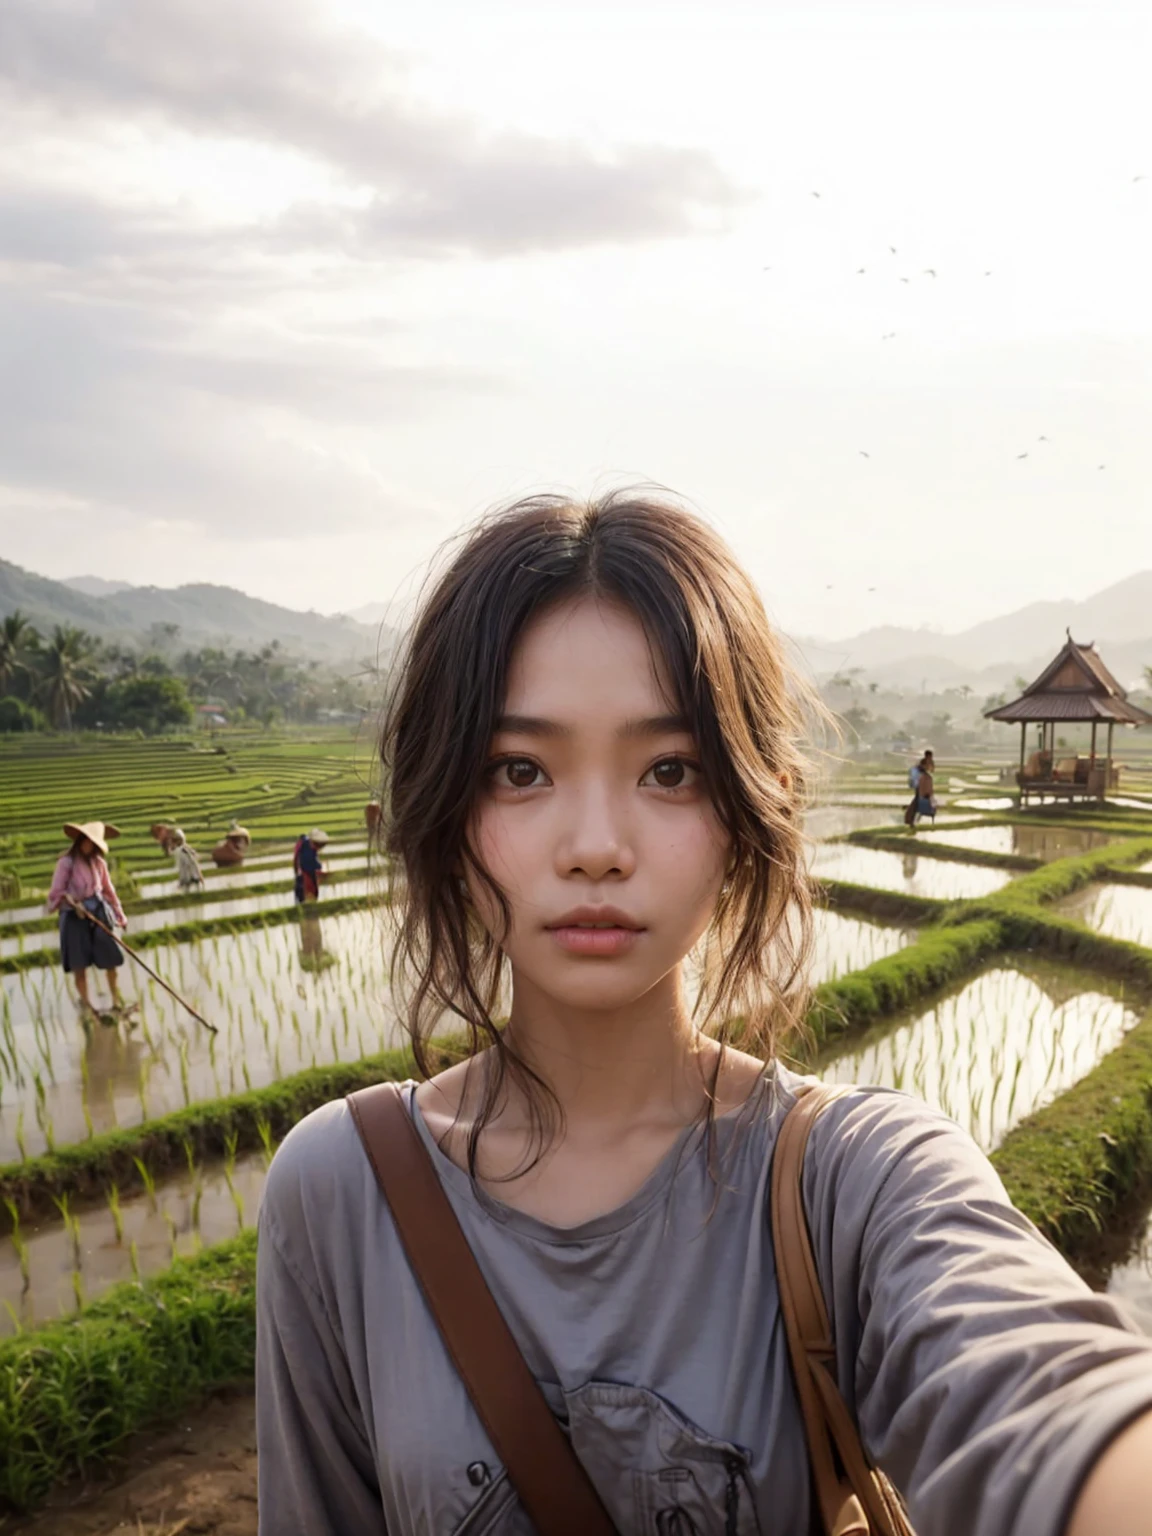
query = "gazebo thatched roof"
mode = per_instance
[{"x": 1075, "y": 686}]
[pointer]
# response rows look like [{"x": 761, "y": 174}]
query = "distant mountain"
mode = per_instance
[
  {"x": 371, "y": 613},
  {"x": 204, "y": 615},
  {"x": 1119, "y": 619},
  {"x": 96, "y": 586}
]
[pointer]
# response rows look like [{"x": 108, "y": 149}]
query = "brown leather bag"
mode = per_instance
[{"x": 853, "y": 1499}]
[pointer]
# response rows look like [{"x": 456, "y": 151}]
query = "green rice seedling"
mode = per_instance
[
  {"x": 170, "y": 1223},
  {"x": 189, "y": 1154},
  {"x": 20, "y": 1143},
  {"x": 78, "y": 1286},
  {"x": 18, "y": 1242},
  {"x": 197, "y": 1196},
  {"x": 134, "y": 1260},
  {"x": 147, "y": 1179},
  {"x": 114, "y": 1206},
  {"x": 184, "y": 1084},
  {"x": 247, "y": 1074}
]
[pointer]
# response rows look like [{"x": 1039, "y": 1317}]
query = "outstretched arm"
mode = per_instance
[{"x": 1115, "y": 1496}]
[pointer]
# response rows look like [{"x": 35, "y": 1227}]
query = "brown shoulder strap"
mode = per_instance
[
  {"x": 553, "y": 1486},
  {"x": 857, "y": 1501}
]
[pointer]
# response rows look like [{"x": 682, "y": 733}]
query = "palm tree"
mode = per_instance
[
  {"x": 16, "y": 634},
  {"x": 64, "y": 672}
]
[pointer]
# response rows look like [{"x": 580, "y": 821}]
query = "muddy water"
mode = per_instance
[
  {"x": 825, "y": 821},
  {"x": 1003, "y": 1045},
  {"x": 846, "y": 944},
  {"x": 274, "y": 867},
  {"x": 62, "y": 1265},
  {"x": 283, "y": 999},
  {"x": 986, "y": 803},
  {"x": 1032, "y": 842},
  {"x": 906, "y": 873},
  {"x": 166, "y": 917},
  {"x": 1120, "y": 911}
]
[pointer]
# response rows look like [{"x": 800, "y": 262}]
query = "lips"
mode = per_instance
[{"x": 595, "y": 931}]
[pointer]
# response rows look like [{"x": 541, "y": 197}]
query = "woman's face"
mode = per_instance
[
  {"x": 87, "y": 848},
  {"x": 593, "y": 817}
]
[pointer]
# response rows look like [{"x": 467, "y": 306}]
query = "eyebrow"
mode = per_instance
[{"x": 534, "y": 725}]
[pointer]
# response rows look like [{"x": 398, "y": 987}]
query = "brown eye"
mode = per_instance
[
  {"x": 521, "y": 772},
  {"x": 671, "y": 773}
]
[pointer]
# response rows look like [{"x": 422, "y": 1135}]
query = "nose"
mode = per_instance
[{"x": 595, "y": 840}]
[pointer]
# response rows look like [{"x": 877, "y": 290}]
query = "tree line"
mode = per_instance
[{"x": 70, "y": 680}]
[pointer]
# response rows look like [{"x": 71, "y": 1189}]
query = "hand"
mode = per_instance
[{"x": 124, "y": 926}]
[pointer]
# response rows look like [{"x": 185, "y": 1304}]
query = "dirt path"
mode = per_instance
[{"x": 197, "y": 1479}]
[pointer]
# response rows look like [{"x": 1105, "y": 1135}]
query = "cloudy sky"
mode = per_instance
[{"x": 289, "y": 291}]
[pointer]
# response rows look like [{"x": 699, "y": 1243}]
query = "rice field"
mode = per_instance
[
  {"x": 1120, "y": 911},
  {"x": 290, "y": 995},
  {"x": 1000, "y": 1047}
]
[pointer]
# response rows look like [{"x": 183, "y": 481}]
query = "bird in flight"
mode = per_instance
[
  {"x": 860, "y": 271},
  {"x": 864, "y": 455},
  {"x": 1041, "y": 438},
  {"x": 888, "y": 335},
  {"x": 988, "y": 274},
  {"x": 905, "y": 279},
  {"x": 871, "y": 589},
  {"x": 815, "y": 194},
  {"x": 1099, "y": 466},
  {"x": 1021, "y": 455},
  {"x": 892, "y": 248},
  {"x": 1135, "y": 179},
  {"x": 931, "y": 271}
]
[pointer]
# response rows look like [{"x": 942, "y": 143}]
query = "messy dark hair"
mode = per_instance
[{"x": 730, "y": 678}]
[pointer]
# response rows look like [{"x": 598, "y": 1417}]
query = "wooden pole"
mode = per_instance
[
  {"x": 1092, "y": 759},
  {"x": 1108, "y": 767},
  {"x": 82, "y": 911}
]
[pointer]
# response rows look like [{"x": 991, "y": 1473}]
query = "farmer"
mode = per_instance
[
  {"x": 232, "y": 846},
  {"x": 307, "y": 866},
  {"x": 188, "y": 871},
  {"x": 81, "y": 884},
  {"x": 922, "y": 784}
]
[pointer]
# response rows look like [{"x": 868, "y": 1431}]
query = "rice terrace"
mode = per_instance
[{"x": 997, "y": 962}]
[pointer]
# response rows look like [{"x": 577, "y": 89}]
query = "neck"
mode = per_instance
[{"x": 646, "y": 1061}]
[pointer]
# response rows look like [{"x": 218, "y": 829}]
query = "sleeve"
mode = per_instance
[
  {"x": 315, "y": 1465},
  {"x": 985, "y": 1376},
  {"x": 310, "y": 859},
  {"x": 108, "y": 891},
  {"x": 59, "y": 883}
]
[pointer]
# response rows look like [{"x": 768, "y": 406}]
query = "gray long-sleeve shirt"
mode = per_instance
[{"x": 985, "y": 1376}]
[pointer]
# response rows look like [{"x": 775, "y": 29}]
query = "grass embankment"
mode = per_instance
[
  {"x": 929, "y": 848},
  {"x": 1070, "y": 1165},
  {"x": 181, "y": 901},
  {"x": 207, "y": 928},
  {"x": 241, "y": 1122},
  {"x": 940, "y": 956},
  {"x": 888, "y": 906},
  {"x": 72, "y": 1391}
]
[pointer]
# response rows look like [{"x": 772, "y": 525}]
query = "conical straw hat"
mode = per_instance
[{"x": 97, "y": 832}]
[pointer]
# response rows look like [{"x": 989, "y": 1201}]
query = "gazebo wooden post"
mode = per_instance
[
  {"x": 1092, "y": 755},
  {"x": 1023, "y": 745},
  {"x": 1108, "y": 765}
]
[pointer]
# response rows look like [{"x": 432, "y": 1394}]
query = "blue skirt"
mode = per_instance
[{"x": 82, "y": 944}]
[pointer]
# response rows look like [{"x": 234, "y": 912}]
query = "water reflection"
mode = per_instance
[
  {"x": 1029, "y": 841},
  {"x": 907, "y": 873},
  {"x": 1120, "y": 911},
  {"x": 274, "y": 1017},
  {"x": 995, "y": 1051}
]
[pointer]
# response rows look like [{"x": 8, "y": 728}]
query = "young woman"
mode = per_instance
[
  {"x": 81, "y": 883},
  {"x": 595, "y": 789}
]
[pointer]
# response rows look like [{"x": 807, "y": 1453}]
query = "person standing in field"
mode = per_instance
[
  {"x": 80, "y": 885},
  {"x": 596, "y": 777},
  {"x": 306, "y": 865},
  {"x": 921, "y": 781},
  {"x": 189, "y": 875}
]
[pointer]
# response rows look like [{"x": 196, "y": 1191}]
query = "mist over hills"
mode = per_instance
[
  {"x": 204, "y": 613},
  {"x": 985, "y": 657},
  {"x": 990, "y": 654}
]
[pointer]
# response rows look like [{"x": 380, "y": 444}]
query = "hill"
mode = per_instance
[
  {"x": 205, "y": 614},
  {"x": 1119, "y": 619}
]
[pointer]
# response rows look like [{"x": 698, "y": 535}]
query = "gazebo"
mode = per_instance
[{"x": 1074, "y": 688}]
